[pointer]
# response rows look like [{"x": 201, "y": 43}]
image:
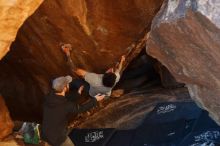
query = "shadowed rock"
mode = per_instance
[
  {"x": 100, "y": 32},
  {"x": 167, "y": 79}
]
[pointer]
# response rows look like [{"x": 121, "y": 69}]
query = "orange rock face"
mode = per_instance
[
  {"x": 12, "y": 14},
  {"x": 100, "y": 32},
  {"x": 6, "y": 124}
]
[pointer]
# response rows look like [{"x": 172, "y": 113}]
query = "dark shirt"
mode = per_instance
[
  {"x": 73, "y": 91},
  {"x": 55, "y": 117}
]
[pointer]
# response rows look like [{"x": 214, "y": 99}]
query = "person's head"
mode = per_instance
[
  {"x": 61, "y": 84},
  {"x": 109, "y": 79}
]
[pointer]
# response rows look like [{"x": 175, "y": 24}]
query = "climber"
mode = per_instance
[
  {"x": 56, "y": 110},
  {"x": 98, "y": 83}
]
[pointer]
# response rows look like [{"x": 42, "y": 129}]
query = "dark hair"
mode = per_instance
[{"x": 108, "y": 79}]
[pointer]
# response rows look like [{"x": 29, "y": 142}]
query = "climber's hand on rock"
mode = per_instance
[
  {"x": 66, "y": 48},
  {"x": 66, "y": 51},
  {"x": 100, "y": 97}
]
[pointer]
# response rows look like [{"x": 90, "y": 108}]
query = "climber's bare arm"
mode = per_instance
[
  {"x": 119, "y": 66},
  {"x": 80, "y": 72},
  {"x": 70, "y": 63},
  {"x": 66, "y": 48}
]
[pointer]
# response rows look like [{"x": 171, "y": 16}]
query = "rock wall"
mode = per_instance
[
  {"x": 167, "y": 79},
  {"x": 100, "y": 32},
  {"x": 13, "y": 13},
  {"x": 185, "y": 38},
  {"x": 6, "y": 124},
  {"x": 128, "y": 111}
]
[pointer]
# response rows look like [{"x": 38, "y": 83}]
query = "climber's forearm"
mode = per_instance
[
  {"x": 120, "y": 66},
  {"x": 80, "y": 72},
  {"x": 76, "y": 71},
  {"x": 70, "y": 63}
]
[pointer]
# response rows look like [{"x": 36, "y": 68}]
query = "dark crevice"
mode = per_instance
[{"x": 139, "y": 72}]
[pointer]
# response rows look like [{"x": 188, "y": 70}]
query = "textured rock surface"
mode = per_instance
[
  {"x": 185, "y": 38},
  {"x": 12, "y": 15},
  {"x": 100, "y": 32},
  {"x": 128, "y": 111},
  {"x": 9, "y": 143},
  {"x": 167, "y": 79},
  {"x": 6, "y": 124}
]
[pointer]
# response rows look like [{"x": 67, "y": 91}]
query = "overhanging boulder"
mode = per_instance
[
  {"x": 185, "y": 38},
  {"x": 12, "y": 16}
]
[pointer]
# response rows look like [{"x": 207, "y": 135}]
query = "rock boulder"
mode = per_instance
[
  {"x": 185, "y": 37},
  {"x": 6, "y": 124}
]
